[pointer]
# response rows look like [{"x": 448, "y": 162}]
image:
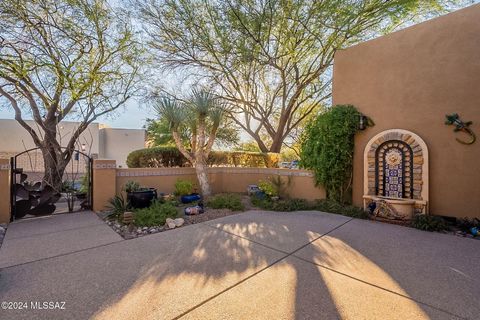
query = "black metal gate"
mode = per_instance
[{"x": 31, "y": 196}]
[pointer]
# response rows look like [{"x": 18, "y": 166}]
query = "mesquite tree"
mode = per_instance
[
  {"x": 63, "y": 59},
  {"x": 269, "y": 59},
  {"x": 201, "y": 115}
]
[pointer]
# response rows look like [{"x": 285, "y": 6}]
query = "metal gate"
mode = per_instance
[{"x": 31, "y": 196}]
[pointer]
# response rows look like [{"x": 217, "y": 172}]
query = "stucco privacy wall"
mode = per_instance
[
  {"x": 107, "y": 180},
  {"x": 409, "y": 80},
  {"x": 4, "y": 190}
]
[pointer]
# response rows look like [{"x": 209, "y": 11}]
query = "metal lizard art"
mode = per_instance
[{"x": 454, "y": 119}]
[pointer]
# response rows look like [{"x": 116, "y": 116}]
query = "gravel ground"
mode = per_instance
[{"x": 134, "y": 232}]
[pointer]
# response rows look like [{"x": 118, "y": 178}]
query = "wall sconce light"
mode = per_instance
[
  {"x": 83, "y": 147},
  {"x": 363, "y": 122}
]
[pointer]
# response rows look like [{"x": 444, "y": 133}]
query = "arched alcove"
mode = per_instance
[{"x": 396, "y": 167}]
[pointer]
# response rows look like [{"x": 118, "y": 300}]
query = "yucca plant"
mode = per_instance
[
  {"x": 202, "y": 114},
  {"x": 118, "y": 204}
]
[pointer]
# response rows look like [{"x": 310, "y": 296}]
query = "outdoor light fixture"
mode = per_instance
[
  {"x": 363, "y": 121},
  {"x": 84, "y": 147}
]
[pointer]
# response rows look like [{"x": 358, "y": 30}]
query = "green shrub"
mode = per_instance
[
  {"x": 331, "y": 206},
  {"x": 280, "y": 184},
  {"x": 156, "y": 157},
  {"x": 327, "y": 149},
  {"x": 183, "y": 187},
  {"x": 159, "y": 157},
  {"x": 85, "y": 184},
  {"x": 118, "y": 205},
  {"x": 226, "y": 201},
  {"x": 465, "y": 224},
  {"x": 428, "y": 223},
  {"x": 288, "y": 205},
  {"x": 155, "y": 215},
  {"x": 131, "y": 186},
  {"x": 268, "y": 188},
  {"x": 285, "y": 205}
]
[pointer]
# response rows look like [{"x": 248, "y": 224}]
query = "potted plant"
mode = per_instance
[
  {"x": 267, "y": 189},
  {"x": 185, "y": 190},
  {"x": 139, "y": 197}
]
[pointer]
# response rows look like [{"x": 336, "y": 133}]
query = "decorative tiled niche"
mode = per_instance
[{"x": 396, "y": 166}]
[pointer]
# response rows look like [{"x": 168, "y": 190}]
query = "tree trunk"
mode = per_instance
[
  {"x": 202, "y": 176},
  {"x": 54, "y": 166}
]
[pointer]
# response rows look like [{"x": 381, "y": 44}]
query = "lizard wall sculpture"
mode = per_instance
[{"x": 454, "y": 119}]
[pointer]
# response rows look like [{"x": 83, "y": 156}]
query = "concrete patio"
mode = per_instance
[{"x": 254, "y": 265}]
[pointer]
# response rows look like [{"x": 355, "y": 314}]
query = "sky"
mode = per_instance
[{"x": 131, "y": 116}]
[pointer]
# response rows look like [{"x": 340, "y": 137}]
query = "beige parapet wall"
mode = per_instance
[
  {"x": 4, "y": 190},
  {"x": 222, "y": 179}
]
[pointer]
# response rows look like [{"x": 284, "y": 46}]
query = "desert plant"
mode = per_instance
[
  {"x": 285, "y": 205},
  {"x": 85, "y": 182},
  {"x": 183, "y": 187},
  {"x": 281, "y": 184},
  {"x": 268, "y": 188},
  {"x": 131, "y": 186},
  {"x": 202, "y": 115},
  {"x": 428, "y": 223},
  {"x": 118, "y": 205},
  {"x": 226, "y": 201},
  {"x": 155, "y": 215},
  {"x": 324, "y": 205},
  {"x": 327, "y": 205},
  {"x": 465, "y": 224}
]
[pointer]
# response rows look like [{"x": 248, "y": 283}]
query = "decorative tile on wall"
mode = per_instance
[{"x": 215, "y": 170}]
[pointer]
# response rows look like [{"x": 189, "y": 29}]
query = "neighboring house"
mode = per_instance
[
  {"x": 407, "y": 82},
  {"x": 98, "y": 141}
]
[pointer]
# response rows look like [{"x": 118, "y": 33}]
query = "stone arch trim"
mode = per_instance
[{"x": 420, "y": 186}]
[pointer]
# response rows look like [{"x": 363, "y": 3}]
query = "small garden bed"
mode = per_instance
[{"x": 167, "y": 213}]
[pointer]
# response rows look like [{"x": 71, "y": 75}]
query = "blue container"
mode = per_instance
[
  {"x": 260, "y": 194},
  {"x": 190, "y": 198}
]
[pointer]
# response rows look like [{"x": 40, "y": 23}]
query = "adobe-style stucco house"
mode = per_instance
[
  {"x": 407, "y": 82},
  {"x": 99, "y": 141}
]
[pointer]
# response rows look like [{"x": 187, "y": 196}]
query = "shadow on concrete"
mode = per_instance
[{"x": 252, "y": 265}]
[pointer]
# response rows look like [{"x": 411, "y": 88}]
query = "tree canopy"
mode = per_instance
[
  {"x": 271, "y": 59},
  {"x": 64, "y": 59}
]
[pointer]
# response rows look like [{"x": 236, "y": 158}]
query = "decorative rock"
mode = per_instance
[
  {"x": 153, "y": 230},
  {"x": 178, "y": 222}
]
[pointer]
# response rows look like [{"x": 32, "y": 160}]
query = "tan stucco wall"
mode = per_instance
[
  {"x": 118, "y": 143},
  {"x": 104, "y": 176},
  {"x": 233, "y": 180},
  {"x": 409, "y": 80},
  {"x": 4, "y": 190}
]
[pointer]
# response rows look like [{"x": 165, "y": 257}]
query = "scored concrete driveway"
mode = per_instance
[{"x": 255, "y": 265}]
